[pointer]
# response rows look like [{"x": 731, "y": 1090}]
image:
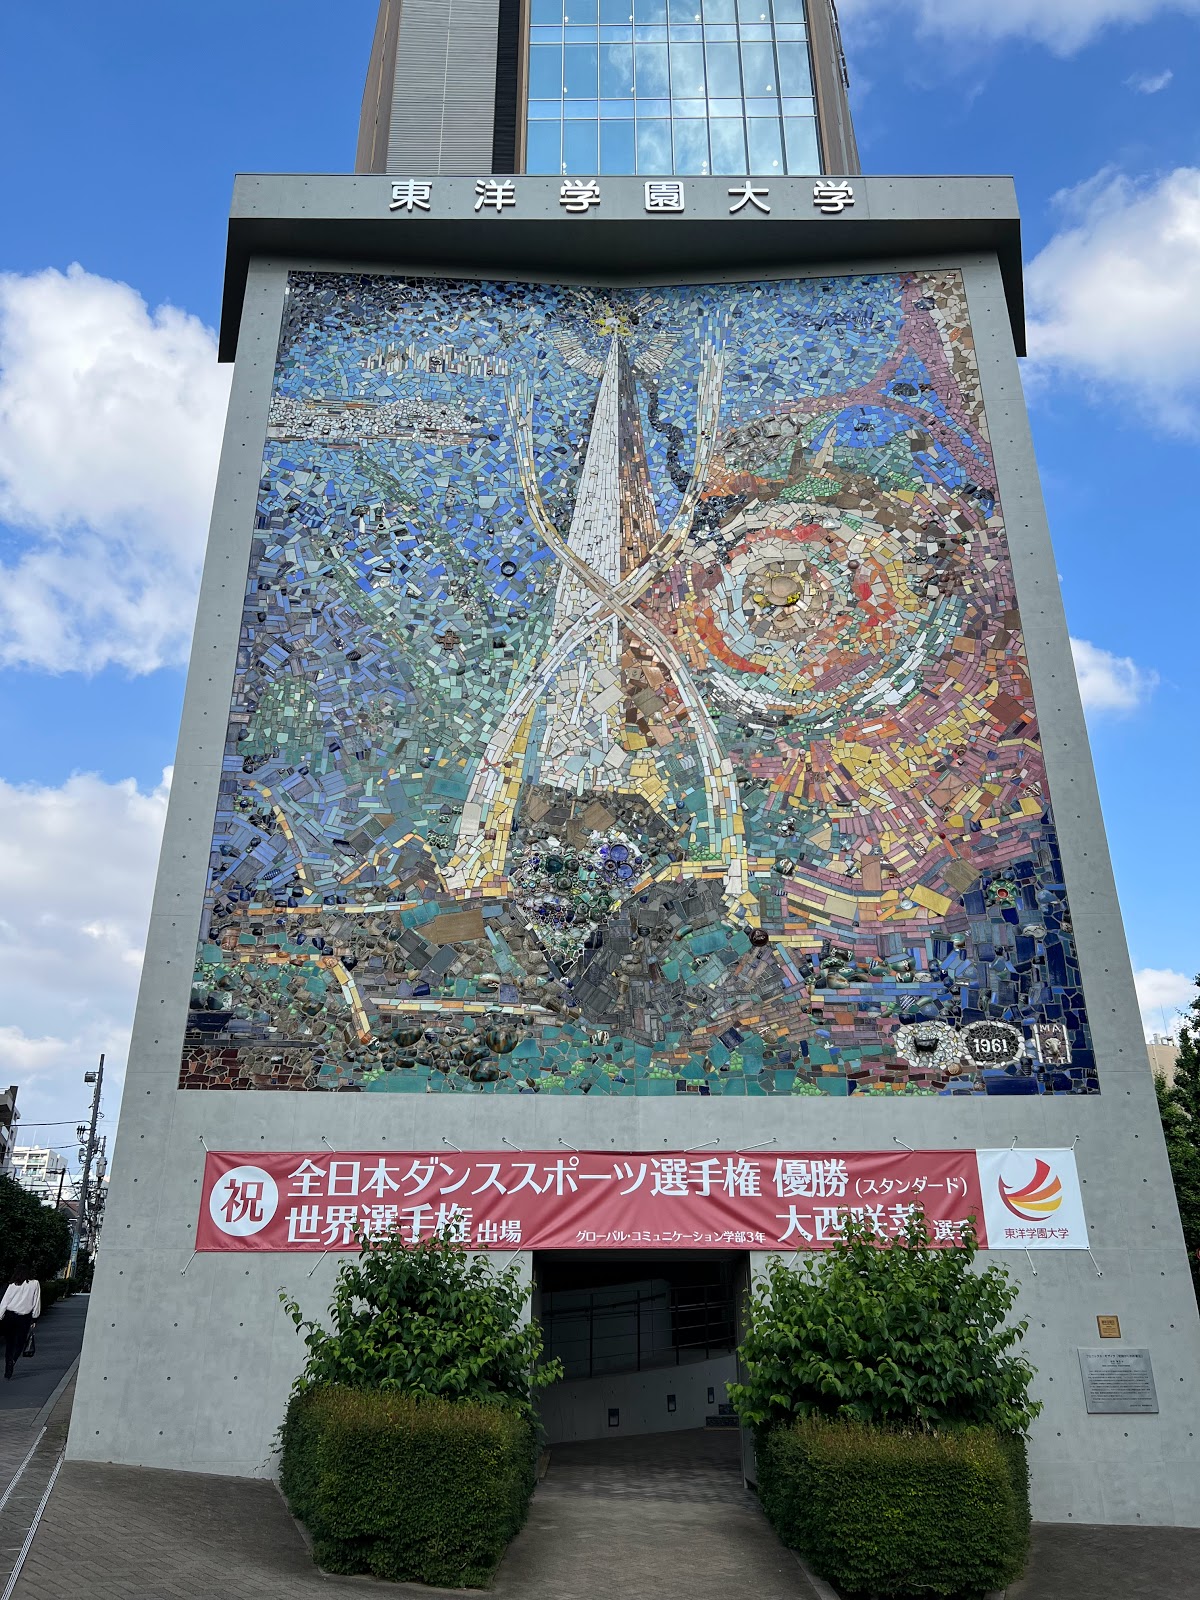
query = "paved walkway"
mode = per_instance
[
  {"x": 665, "y": 1517},
  {"x": 35, "y": 1408}
]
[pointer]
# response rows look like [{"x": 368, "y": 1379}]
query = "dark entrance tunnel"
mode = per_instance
[{"x": 647, "y": 1340}]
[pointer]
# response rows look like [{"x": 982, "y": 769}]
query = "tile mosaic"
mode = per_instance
[{"x": 632, "y": 700}]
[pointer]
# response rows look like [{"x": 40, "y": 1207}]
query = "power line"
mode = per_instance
[{"x": 65, "y": 1124}]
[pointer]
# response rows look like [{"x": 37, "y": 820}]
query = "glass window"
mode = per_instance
[
  {"x": 654, "y": 145},
  {"x": 616, "y": 147},
  {"x": 545, "y": 72},
  {"x": 652, "y": 80},
  {"x": 766, "y": 152},
  {"x": 579, "y": 71},
  {"x": 723, "y": 75},
  {"x": 542, "y": 141},
  {"x": 758, "y": 69},
  {"x": 661, "y": 86},
  {"x": 728, "y": 146},
  {"x": 687, "y": 71},
  {"x": 616, "y": 71},
  {"x": 803, "y": 154},
  {"x": 690, "y": 136},
  {"x": 579, "y": 149},
  {"x": 794, "y": 74}
]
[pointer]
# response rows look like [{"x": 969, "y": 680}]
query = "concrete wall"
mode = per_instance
[
  {"x": 579, "y": 1409},
  {"x": 188, "y": 1360}
]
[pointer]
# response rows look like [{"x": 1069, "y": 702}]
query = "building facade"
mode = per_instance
[
  {"x": 633, "y": 804},
  {"x": 8, "y": 1118},
  {"x": 42, "y": 1172},
  {"x": 581, "y": 87}
]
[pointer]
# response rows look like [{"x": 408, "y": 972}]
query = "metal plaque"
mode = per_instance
[
  {"x": 1109, "y": 1327},
  {"x": 1118, "y": 1382}
]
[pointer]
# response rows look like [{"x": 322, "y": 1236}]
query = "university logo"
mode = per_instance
[{"x": 1036, "y": 1200}]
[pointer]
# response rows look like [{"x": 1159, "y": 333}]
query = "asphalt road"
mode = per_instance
[{"x": 59, "y": 1338}]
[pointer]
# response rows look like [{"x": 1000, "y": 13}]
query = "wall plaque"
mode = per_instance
[
  {"x": 1109, "y": 1327},
  {"x": 1118, "y": 1382}
]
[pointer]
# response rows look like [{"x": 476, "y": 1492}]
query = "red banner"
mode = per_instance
[{"x": 581, "y": 1200}]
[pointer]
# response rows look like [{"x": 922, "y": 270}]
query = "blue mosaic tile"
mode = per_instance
[{"x": 631, "y": 699}]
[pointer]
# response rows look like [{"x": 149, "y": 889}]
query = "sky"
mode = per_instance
[{"x": 123, "y": 126}]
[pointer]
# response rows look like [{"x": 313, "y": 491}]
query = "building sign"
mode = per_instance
[{"x": 570, "y": 1200}]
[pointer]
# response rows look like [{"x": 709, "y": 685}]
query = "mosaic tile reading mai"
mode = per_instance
[{"x": 632, "y": 700}]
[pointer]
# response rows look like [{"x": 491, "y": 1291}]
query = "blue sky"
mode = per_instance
[{"x": 123, "y": 126}]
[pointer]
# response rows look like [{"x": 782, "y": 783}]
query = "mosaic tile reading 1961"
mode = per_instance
[{"x": 632, "y": 700}]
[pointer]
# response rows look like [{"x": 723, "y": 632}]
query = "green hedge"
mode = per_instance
[
  {"x": 406, "y": 1488},
  {"x": 899, "y": 1514}
]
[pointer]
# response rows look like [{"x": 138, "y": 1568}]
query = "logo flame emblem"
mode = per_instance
[{"x": 1037, "y": 1199}]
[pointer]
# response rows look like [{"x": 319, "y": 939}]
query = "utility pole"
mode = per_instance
[{"x": 97, "y": 1078}]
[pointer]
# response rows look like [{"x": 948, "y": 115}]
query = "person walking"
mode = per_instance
[{"x": 19, "y": 1310}]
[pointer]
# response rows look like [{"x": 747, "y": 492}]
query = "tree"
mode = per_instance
[
  {"x": 427, "y": 1319},
  {"x": 894, "y": 1333},
  {"x": 31, "y": 1234},
  {"x": 1179, "y": 1108}
]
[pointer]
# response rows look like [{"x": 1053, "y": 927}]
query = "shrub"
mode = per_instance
[
  {"x": 407, "y": 1488},
  {"x": 899, "y": 1514},
  {"x": 30, "y": 1232},
  {"x": 427, "y": 1319},
  {"x": 887, "y": 1332}
]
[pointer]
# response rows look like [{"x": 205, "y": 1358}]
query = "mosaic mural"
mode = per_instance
[{"x": 632, "y": 700}]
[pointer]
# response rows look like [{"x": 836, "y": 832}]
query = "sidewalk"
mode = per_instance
[
  {"x": 59, "y": 1340},
  {"x": 667, "y": 1518}
]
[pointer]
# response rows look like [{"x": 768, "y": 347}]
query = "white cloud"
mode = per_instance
[
  {"x": 1162, "y": 995},
  {"x": 77, "y": 870},
  {"x": 1063, "y": 25},
  {"x": 110, "y": 426},
  {"x": 1150, "y": 82},
  {"x": 1109, "y": 683},
  {"x": 1113, "y": 299}
]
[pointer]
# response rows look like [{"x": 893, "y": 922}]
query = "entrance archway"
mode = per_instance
[{"x": 647, "y": 1340}]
